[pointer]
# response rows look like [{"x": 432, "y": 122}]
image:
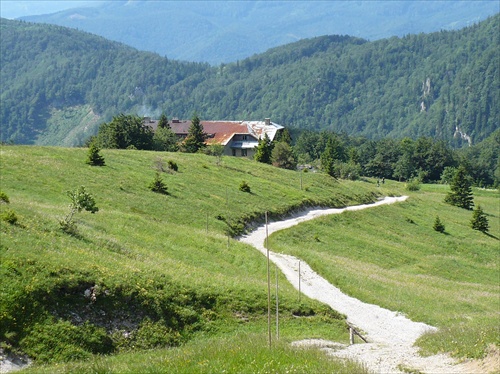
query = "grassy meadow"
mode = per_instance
[
  {"x": 173, "y": 293},
  {"x": 161, "y": 269},
  {"x": 391, "y": 256}
]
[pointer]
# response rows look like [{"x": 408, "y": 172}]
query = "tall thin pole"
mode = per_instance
[
  {"x": 268, "y": 288},
  {"x": 227, "y": 214},
  {"x": 299, "y": 281},
  {"x": 277, "y": 306}
]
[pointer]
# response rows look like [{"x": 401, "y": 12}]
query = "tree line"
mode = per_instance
[{"x": 425, "y": 159}]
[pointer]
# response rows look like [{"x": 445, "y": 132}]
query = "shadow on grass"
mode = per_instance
[{"x": 491, "y": 236}]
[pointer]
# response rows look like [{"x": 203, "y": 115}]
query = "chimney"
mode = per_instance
[{"x": 268, "y": 121}]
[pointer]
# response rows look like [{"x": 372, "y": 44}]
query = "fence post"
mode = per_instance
[{"x": 299, "y": 281}]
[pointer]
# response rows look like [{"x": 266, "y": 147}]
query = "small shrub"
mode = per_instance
[
  {"x": 438, "y": 225},
  {"x": 172, "y": 165},
  {"x": 303, "y": 311},
  {"x": 151, "y": 335},
  {"x": 80, "y": 200},
  {"x": 413, "y": 185},
  {"x": 159, "y": 165},
  {"x": 244, "y": 187},
  {"x": 69, "y": 227},
  {"x": 157, "y": 185},
  {"x": 67, "y": 342},
  {"x": 9, "y": 216},
  {"x": 4, "y": 198},
  {"x": 448, "y": 174}
]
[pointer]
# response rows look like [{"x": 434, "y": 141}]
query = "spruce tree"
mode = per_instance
[
  {"x": 479, "y": 220},
  {"x": 438, "y": 225},
  {"x": 196, "y": 137},
  {"x": 163, "y": 122},
  {"x": 333, "y": 152},
  {"x": 264, "y": 149},
  {"x": 94, "y": 158},
  {"x": 157, "y": 185},
  {"x": 461, "y": 190},
  {"x": 283, "y": 157}
]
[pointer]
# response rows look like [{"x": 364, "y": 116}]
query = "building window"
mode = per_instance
[
  {"x": 244, "y": 152},
  {"x": 234, "y": 152},
  {"x": 244, "y": 137}
]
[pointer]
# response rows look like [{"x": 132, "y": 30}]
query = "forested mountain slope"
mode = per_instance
[
  {"x": 46, "y": 69},
  {"x": 413, "y": 86},
  {"x": 226, "y": 31},
  {"x": 443, "y": 84}
]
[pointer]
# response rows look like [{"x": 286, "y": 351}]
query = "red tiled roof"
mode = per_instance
[{"x": 222, "y": 131}]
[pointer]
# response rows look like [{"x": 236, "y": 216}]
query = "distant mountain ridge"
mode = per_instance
[
  {"x": 58, "y": 84},
  {"x": 227, "y": 31}
]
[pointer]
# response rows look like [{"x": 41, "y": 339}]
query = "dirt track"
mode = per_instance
[{"x": 390, "y": 335}]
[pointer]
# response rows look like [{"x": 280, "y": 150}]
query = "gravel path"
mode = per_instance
[{"x": 390, "y": 335}]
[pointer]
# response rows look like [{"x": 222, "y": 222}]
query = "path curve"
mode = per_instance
[{"x": 390, "y": 335}]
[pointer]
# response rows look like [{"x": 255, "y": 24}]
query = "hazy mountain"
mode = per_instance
[
  {"x": 59, "y": 83},
  {"x": 226, "y": 31}
]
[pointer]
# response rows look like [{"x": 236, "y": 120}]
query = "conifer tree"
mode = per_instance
[
  {"x": 163, "y": 122},
  {"x": 283, "y": 157},
  {"x": 196, "y": 137},
  {"x": 461, "y": 190},
  {"x": 157, "y": 185},
  {"x": 333, "y": 152},
  {"x": 438, "y": 225},
  {"x": 479, "y": 220},
  {"x": 284, "y": 136},
  {"x": 264, "y": 149},
  {"x": 94, "y": 158}
]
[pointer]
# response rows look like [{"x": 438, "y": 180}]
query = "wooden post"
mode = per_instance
[
  {"x": 299, "y": 281},
  {"x": 352, "y": 332},
  {"x": 268, "y": 288},
  {"x": 227, "y": 213},
  {"x": 277, "y": 306}
]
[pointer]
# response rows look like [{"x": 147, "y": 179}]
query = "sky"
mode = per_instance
[{"x": 18, "y": 8}]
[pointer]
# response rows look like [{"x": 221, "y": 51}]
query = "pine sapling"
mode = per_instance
[
  {"x": 157, "y": 185},
  {"x": 438, "y": 225}
]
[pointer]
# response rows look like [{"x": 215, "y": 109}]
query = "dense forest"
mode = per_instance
[{"x": 442, "y": 85}]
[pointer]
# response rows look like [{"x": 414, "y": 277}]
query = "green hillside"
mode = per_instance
[
  {"x": 163, "y": 269},
  {"x": 443, "y": 85},
  {"x": 154, "y": 271}
]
